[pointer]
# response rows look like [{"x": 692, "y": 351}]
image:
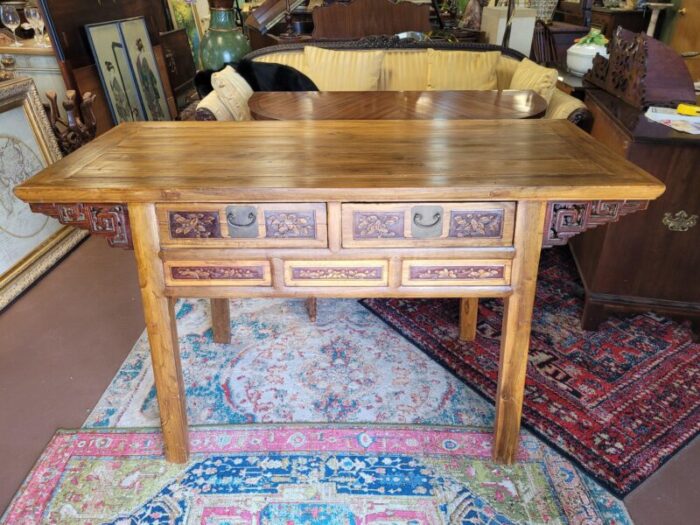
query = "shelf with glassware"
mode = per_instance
[{"x": 29, "y": 57}]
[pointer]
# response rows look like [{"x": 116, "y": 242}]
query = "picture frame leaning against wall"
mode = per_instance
[{"x": 30, "y": 243}]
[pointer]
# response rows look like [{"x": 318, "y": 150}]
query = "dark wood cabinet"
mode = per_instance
[
  {"x": 607, "y": 20},
  {"x": 651, "y": 260}
]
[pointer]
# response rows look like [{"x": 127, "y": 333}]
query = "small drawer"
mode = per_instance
[
  {"x": 433, "y": 224},
  {"x": 217, "y": 273},
  {"x": 336, "y": 273},
  {"x": 244, "y": 225},
  {"x": 455, "y": 272}
]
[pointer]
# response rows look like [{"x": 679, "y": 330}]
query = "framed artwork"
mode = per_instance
[
  {"x": 144, "y": 67},
  {"x": 193, "y": 17},
  {"x": 30, "y": 243},
  {"x": 113, "y": 65}
]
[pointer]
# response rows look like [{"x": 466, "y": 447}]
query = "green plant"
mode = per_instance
[{"x": 594, "y": 37}]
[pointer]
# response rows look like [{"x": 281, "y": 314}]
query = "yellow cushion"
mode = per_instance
[
  {"x": 462, "y": 69},
  {"x": 562, "y": 105},
  {"x": 233, "y": 92},
  {"x": 541, "y": 80},
  {"x": 404, "y": 70},
  {"x": 505, "y": 69},
  {"x": 343, "y": 70}
]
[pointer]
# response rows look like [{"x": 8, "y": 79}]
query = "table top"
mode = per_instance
[
  {"x": 396, "y": 105},
  {"x": 307, "y": 161}
]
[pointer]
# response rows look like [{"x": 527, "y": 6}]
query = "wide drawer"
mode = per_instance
[
  {"x": 427, "y": 224},
  {"x": 337, "y": 273},
  {"x": 244, "y": 225},
  {"x": 455, "y": 272},
  {"x": 218, "y": 273}
]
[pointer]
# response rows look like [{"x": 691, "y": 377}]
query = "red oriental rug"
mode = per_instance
[{"x": 619, "y": 401}]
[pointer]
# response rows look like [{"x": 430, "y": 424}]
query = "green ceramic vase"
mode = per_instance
[{"x": 223, "y": 42}]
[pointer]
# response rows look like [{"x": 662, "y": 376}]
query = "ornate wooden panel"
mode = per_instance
[
  {"x": 336, "y": 273},
  {"x": 108, "y": 220},
  {"x": 428, "y": 224},
  {"x": 566, "y": 219},
  {"x": 244, "y": 225},
  {"x": 451, "y": 272},
  {"x": 222, "y": 273}
]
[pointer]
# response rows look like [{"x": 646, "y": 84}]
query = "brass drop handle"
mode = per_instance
[
  {"x": 232, "y": 220},
  {"x": 680, "y": 222},
  {"x": 418, "y": 218}
]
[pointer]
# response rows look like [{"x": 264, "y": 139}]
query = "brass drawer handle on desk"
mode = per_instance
[{"x": 680, "y": 222}]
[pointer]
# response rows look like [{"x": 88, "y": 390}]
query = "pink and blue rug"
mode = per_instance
[
  {"x": 305, "y": 474},
  {"x": 349, "y": 369}
]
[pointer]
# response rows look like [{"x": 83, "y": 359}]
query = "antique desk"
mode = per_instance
[
  {"x": 396, "y": 105},
  {"x": 338, "y": 209}
]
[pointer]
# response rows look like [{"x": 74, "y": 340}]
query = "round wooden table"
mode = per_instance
[{"x": 396, "y": 105}]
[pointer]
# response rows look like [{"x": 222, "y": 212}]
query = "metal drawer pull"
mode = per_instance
[
  {"x": 680, "y": 222},
  {"x": 418, "y": 218},
  {"x": 232, "y": 221}
]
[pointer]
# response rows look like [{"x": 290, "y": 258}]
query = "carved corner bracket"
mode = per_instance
[
  {"x": 108, "y": 220},
  {"x": 566, "y": 219}
]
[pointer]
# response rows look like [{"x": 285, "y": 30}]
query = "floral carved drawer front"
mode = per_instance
[
  {"x": 429, "y": 224},
  {"x": 290, "y": 224},
  {"x": 194, "y": 225},
  {"x": 488, "y": 223},
  {"x": 378, "y": 225},
  {"x": 336, "y": 273},
  {"x": 450, "y": 273},
  {"x": 229, "y": 273}
]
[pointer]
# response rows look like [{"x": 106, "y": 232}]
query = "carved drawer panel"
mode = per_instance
[
  {"x": 217, "y": 273},
  {"x": 428, "y": 224},
  {"x": 336, "y": 273},
  {"x": 244, "y": 225},
  {"x": 455, "y": 272}
]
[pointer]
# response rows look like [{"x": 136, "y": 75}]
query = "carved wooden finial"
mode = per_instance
[{"x": 80, "y": 125}]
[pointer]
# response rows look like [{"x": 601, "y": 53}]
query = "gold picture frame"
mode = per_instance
[{"x": 30, "y": 244}]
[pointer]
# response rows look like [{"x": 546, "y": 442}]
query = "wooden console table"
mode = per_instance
[
  {"x": 337, "y": 209},
  {"x": 396, "y": 105}
]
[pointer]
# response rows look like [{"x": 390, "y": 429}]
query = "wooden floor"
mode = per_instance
[{"x": 62, "y": 342}]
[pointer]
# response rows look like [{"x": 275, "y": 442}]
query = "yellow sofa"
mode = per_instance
[{"x": 411, "y": 66}]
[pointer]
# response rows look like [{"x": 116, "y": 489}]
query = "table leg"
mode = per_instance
[
  {"x": 221, "y": 320},
  {"x": 162, "y": 334},
  {"x": 312, "y": 308},
  {"x": 515, "y": 335},
  {"x": 468, "y": 315}
]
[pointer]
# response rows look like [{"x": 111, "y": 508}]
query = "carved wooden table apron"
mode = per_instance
[
  {"x": 396, "y": 105},
  {"x": 339, "y": 209}
]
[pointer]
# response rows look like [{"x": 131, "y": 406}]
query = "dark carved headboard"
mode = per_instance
[{"x": 361, "y": 18}]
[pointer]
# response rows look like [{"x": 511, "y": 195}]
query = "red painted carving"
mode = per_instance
[
  {"x": 455, "y": 273},
  {"x": 341, "y": 274},
  {"x": 222, "y": 273},
  {"x": 566, "y": 219},
  {"x": 108, "y": 220}
]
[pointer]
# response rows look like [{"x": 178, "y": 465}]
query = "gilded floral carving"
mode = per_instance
[
  {"x": 340, "y": 274},
  {"x": 476, "y": 224},
  {"x": 379, "y": 225},
  {"x": 457, "y": 273},
  {"x": 194, "y": 225},
  {"x": 296, "y": 225},
  {"x": 227, "y": 273}
]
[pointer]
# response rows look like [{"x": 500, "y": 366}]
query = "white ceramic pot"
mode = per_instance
[{"x": 579, "y": 59}]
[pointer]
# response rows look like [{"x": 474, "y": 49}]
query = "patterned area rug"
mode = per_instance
[
  {"x": 620, "y": 401},
  {"x": 349, "y": 366},
  {"x": 309, "y": 474}
]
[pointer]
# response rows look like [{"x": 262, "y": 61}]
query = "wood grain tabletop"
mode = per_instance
[
  {"x": 341, "y": 160},
  {"x": 396, "y": 105}
]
